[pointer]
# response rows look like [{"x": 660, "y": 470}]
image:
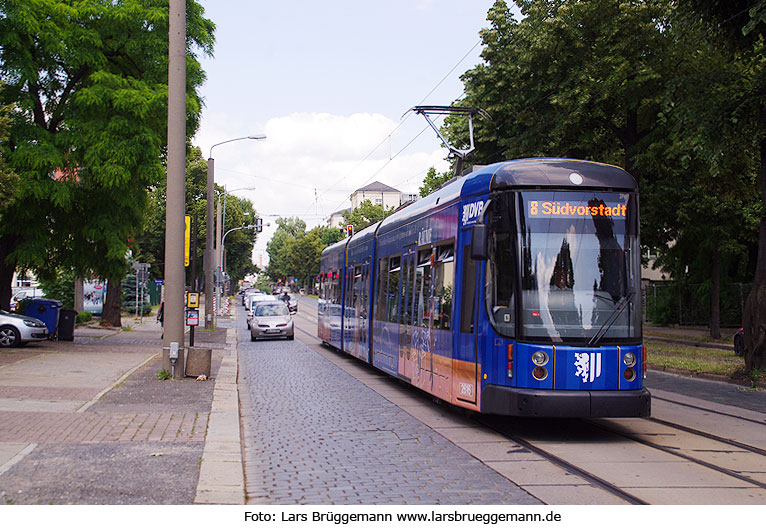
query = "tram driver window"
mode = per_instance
[{"x": 500, "y": 288}]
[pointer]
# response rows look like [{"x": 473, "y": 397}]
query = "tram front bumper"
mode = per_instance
[{"x": 513, "y": 401}]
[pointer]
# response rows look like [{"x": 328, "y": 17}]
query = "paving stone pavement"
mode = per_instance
[
  {"x": 315, "y": 435},
  {"x": 88, "y": 422}
]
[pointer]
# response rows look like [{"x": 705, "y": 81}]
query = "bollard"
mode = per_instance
[{"x": 198, "y": 361}]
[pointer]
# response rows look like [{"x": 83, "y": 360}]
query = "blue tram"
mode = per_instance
[{"x": 512, "y": 291}]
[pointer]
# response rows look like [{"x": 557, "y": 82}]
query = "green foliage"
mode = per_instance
[
  {"x": 84, "y": 317},
  {"x": 7, "y": 177},
  {"x": 295, "y": 253},
  {"x": 88, "y": 85},
  {"x": 366, "y": 214},
  {"x": 433, "y": 181},
  {"x": 149, "y": 241},
  {"x": 60, "y": 288},
  {"x": 128, "y": 297},
  {"x": 672, "y": 91},
  {"x": 163, "y": 375}
]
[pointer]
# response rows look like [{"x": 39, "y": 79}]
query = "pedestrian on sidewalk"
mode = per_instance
[{"x": 161, "y": 318}]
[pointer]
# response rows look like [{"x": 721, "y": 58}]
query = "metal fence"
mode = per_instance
[{"x": 689, "y": 304}]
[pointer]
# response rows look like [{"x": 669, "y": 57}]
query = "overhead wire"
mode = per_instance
[{"x": 388, "y": 136}]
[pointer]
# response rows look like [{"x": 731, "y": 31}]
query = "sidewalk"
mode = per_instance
[{"x": 88, "y": 422}]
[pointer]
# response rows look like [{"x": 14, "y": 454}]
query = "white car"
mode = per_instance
[
  {"x": 271, "y": 319},
  {"x": 15, "y": 330},
  {"x": 252, "y": 300}
]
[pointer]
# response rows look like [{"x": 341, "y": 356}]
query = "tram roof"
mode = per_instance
[{"x": 522, "y": 173}]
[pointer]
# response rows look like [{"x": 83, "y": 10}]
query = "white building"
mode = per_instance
[
  {"x": 336, "y": 219},
  {"x": 378, "y": 194}
]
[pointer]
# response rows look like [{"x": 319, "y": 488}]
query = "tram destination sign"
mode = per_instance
[{"x": 576, "y": 209}]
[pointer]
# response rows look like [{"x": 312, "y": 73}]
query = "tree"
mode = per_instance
[
  {"x": 626, "y": 83},
  {"x": 7, "y": 177},
  {"x": 88, "y": 84},
  {"x": 288, "y": 229},
  {"x": 739, "y": 26},
  {"x": 433, "y": 181},
  {"x": 295, "y": 253},
  {"x": 366, "y": 214},
  {"x": 149, "y": 242}
]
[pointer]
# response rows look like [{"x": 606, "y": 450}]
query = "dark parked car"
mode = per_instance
[{"x": 739, "y": 342}]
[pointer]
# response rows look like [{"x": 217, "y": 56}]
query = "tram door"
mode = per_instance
[
  {"x": 465, "y": 368},
  {"x": 361, "y": 283},
  {"x": 422, "y": 317},
  {"x": 406, "y": 358}
]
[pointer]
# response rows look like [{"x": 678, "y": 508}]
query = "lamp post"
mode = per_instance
[
  {"x": 221, "y": 257},
  {"x": 209, "y": 257}
]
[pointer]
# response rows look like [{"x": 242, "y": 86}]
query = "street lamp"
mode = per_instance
[
  {"x": 223, "y": 240},
  {"x": 219, "y": 244},
  {"x": 209, "y": 256}
]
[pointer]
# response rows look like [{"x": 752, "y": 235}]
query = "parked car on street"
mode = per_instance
[
  {"x": 271, "y": 319},
  {"x": 739, "y": 342},
  {"x": 15, "y": 330}
]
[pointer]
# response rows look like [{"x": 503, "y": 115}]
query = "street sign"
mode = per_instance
[
  {"x": 192, "y": 317},
  {"x": 193, "y": 300}
]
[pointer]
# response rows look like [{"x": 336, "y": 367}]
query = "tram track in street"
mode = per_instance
[
  {"x": 727, "y": 457},
  {"x": 708, "y": 410},
  {"x": 682, "y": 455},
  {"x": 567, "y": 465}
]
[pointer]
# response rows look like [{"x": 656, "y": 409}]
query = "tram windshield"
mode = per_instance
[{"x": 578, "y": 264}]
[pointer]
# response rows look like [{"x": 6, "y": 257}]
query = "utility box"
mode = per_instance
[
  {"x": 67, "y": 320},
  {"x": 198, "y": 361},
  {"x": 47, "y": 311}
]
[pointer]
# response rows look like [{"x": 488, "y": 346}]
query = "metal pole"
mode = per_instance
[
  {"x": 194, "y": 228},
  {"x": 209, "y": 257},
  {"x": 218, "y": 256},
  {"x": 136, "y": 293},
  {"x": 141, "y": 319},
  {"x": 176, "y": 194}
]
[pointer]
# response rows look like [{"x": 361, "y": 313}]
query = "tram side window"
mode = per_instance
[
  {"x": 364, "y": 291},
  {"x": 380, "y": 292},
  {"x": 443, "y": 279},
  {"x": 407, "y": 293},
  {"x": 392, "y": 291},
  {"x": 468, "y": 291},
  {"x": 335, "y": 290},
  {"x": 422, "y": 307}
]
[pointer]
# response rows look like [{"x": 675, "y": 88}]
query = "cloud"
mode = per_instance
[{"x": 310, "y": 163}]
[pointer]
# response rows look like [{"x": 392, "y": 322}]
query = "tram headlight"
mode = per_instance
[
  {"x": 629, "y": 359},
  {"x": 540, "y": 358},
  {"x": 629, "y": 374},
  {"x": 539, "y": 373}
]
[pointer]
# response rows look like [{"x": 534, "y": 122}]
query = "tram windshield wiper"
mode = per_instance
[{"x": 621, "y": 305}]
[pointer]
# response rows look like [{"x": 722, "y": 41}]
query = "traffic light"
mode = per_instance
[
  {"x": 350, "y": 230},
  {"x": 259, "y": 225}
]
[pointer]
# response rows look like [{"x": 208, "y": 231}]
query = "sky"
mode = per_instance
[{"x": 329, "y": 83}]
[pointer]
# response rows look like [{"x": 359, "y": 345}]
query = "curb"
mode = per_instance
[
  {"x": 706, "y": 376},
  {"x": 221, "y": 476}
]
